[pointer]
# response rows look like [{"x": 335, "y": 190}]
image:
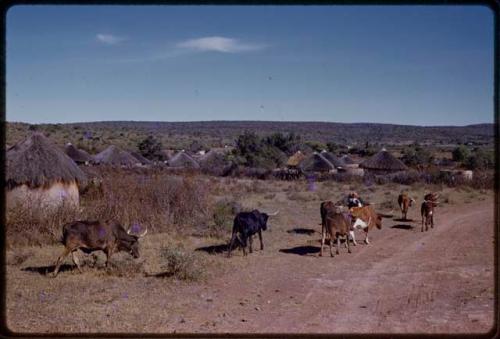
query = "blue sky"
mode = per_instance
[{"x": 416, "y": 65}]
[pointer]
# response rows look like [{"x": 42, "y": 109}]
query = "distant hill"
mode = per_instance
[{"x": 217, "y": 133}]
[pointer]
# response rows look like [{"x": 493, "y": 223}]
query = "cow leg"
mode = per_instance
[
  {"x": 353, "y": 237},
  {"x": 76, "y": 261},
  {"x": 338, "y": 244},
  {"x": 432, "y": 220},
  {"x": 243, "y": 239},
  {"x": 422, "y": 224},
  {"x": 260, "y": 239},
  {"x": 348, "y": 246},
  {"x": 366, "y": 236},
  {"x": 60, "y": 260},
  {"x": 108, "y": 251},
  {"x": 231, "y": 244},
  {"x": 250, "y": 242},
  {"x": 331, "y": 245},
  {"x": 323, "y": 236}
]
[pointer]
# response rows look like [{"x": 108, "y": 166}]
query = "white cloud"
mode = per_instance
[
  {"x": 109, "y": 39},
  {"x": 218, "y": 44}
]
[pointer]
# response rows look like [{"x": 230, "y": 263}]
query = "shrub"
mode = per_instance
[
  {"x": 30, "y": 223},
  {"x": 460, "y": 154},
  {"x": 124, "y": 266},
  {"x": 223, "y": 215},
  {"x": 180, "y": 264}
]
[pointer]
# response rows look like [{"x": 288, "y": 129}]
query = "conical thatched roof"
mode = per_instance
[
  {"x": 182, "y": 159},
  {"x": 316, "y": 163},
  {"x": 213, "y": 158},
  {"x": 167, "y": 154},
  {"x": 384, "y": 161},
  {"x": 37, "y": 162},
  {"x": 347, "y": 160},
  {"x": 115, "y": 156},
  {"x": 141, "y": 158},
  {"x": 295, "y": 159},
  {"x": 333, "y": 159},
  {"x": 78, "y": 155}
]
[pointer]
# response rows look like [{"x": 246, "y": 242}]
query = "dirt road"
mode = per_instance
[{"x": 404, "y": 281}]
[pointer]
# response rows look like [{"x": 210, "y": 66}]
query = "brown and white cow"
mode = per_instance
[
  {"x": 366, "y": 218},
  {"x": 427, "y": 210},
  {"x": 405, "y": 202}
]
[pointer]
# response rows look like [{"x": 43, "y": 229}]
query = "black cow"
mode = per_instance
[
  {"x": 90, "y": 236},
  {"x": 245, "y": 225}
]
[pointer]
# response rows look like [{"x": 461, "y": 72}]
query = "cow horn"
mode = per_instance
[
  {"x": 273, "y": 214},
  {"x": 143, "y": 233},
  {"x": 129, "y": 231}
]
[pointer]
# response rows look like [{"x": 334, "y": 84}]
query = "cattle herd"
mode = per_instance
[{"x": 338, "y": 221}]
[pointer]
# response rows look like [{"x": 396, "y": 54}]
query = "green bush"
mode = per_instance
[{"x": 180, "y": 264}]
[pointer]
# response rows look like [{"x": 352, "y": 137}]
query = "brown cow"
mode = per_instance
[
  {"x": 336, "y": 224},
  {"x": 90, "y": 236},
  {"x": 366, "y": 218},
  {"x": 427, "y": 210},
  {"x": 404, "y": 201}
]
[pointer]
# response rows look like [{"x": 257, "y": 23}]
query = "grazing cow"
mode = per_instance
[
  {"x": 405, "y": 201},
  {"x": 427, "y": 210},
  {"x": 366, "y": 218},
  {"x": 336, "y": 224},
  {"x": 92, "y": 236},
  {"x": 245, "y": 225}
]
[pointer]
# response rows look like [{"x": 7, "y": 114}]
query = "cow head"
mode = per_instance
[
  {"x": 263, "y": 217},
  {"x": 131, "y": 244}
]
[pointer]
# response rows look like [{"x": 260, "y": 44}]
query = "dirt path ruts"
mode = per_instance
[{"x": 404, "y": 281}]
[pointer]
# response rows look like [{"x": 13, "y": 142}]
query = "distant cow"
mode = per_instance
[
  {"x": 405, "y": 202},
  {"x": 427, "y": 210},
  {"x": 90, "y": 236},
  {"x": 336, "y": 224},
  {"x": 366, "y": 218},
  {"x": 245, "y": 225}
]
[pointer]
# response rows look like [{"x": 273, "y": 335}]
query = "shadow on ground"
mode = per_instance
[
  {"x": 308, "y": 231},
  {"x": 301, "y": 250},
  {"x": 403, "y": 220},
  {"x": 44, "y": 270},
  {"x": 215, "y": 249},
  {"x": 403, "y": 227}
]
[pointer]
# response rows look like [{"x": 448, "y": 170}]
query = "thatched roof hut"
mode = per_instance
[
  {"x": 38, "y": 171},
  {"x": 115, "y": 156},
  {"x": 316, "y": 163},
  {"x": 141, "y": 158},
  {"x": 347, "y": 160},
  {"x": 332, "y": 158},
  {"x": 295, "y": 159},
  {"x": 167, "y": 154},
  {"x": 182, "y": 159},
  {"x": 78, "y": 155},
  {"x": 214, "y": 162},
  {"x": 383, "y": 161}
]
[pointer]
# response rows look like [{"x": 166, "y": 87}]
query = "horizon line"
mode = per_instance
[{"x": 259, "y": 121}]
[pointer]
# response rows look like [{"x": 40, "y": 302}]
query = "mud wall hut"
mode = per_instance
[{"x": 38, "y": 172}]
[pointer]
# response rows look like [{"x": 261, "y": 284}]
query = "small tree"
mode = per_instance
[
  {"x": 150, "y": 148},
  {"x": 460, "y": 154},
  {"x": 416, "y": 155},
  {"x": 480, "y": 159}
]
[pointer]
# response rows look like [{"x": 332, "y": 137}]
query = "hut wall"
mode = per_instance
[
  {"x": 52, "y": 196},
  {"x": 355, "y": 171}
]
